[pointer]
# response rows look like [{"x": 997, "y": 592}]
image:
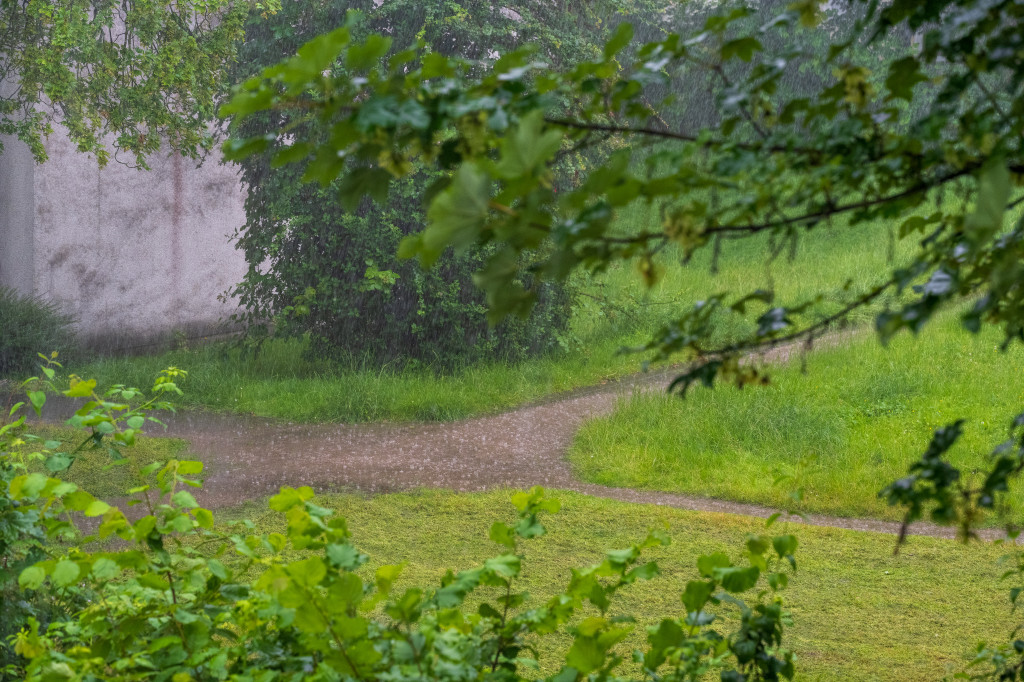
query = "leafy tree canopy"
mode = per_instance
[{"x": 146, "y": 73}]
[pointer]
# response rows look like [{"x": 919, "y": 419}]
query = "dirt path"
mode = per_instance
[
  {"x": 252, "y": 457},
  {"x": 249, "y": 457}
]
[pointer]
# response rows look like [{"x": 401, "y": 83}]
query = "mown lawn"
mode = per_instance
[
  {"x": 860, "y": 612},
  {"x": 841, "y": 431},
  {"x": 614, "y": 311}
]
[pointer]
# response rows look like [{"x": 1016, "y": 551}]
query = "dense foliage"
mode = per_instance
[
  {"x": 128, "y": 75},
  {"x": 328, "y": 269},
  {"x": 30, "y": 323}
]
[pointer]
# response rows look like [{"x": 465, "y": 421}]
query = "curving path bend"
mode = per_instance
[{"x": 251, "y": 457}]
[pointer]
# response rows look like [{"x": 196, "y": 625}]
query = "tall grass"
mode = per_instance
[
  {"x": 841, "y": 431},
  {"x": 615, "y": 310},
  {"x": 30, "y": 325}
]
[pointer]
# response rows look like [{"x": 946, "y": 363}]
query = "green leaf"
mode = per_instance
[
  {"x": 744, "y": 48},
  {"x": 503, "y": 534},
  {"x": 527, "y": 148},
  {"x": 288, "y": 498},
  {"x": 58, "y": 462},
  {"x": 31, "y": 578},
  {"x": 184, "y": 499},
  {"x": 737, "y": 579},
  {"x": 363, "y": 182},
  {"x": 993, "y": 193},
  {"x": 136, "y": 422},
  {"x": 904, "y": 74},
  {"x": 642, "y": 572},
  {"x": 97, "y": 508},
  {"x": 204, "y": 517},
  {"x": 436, "y": 65},
  {"x": 757, "y": 544},
  {"x": 295, "y": 153},
  {"x": 620, "y": 39},
  {"x": 386, "y": 576},
  {"x": 369, "y": 53},
  {"x": 188, "y": 467},
  {"x": 65, "y": 572},
  {"x": 153, "y": 582},
  {"x": 345, "y": 556},
  {"x": 217, "y": 569},
  {"x": 506, "y": 565},
  {"x": 81, "y": 389},
  {"x": 319, "y": 54},
  {"x": 696, "y": 595},
  {"x": 457, "y": 214},
  {"x": 778, "y": 581},
  {"x": 78, "y": 500},
  {"x": 784, "y": 545},
  {"x": 38, "y": 399},
  {"x": 530, "y": 527},
  {"x": 708, "y": 563},
  {"x": 27, "y": 487},
  {"x": 105, "y": 569},
  {"x": 585, "y": 655}
]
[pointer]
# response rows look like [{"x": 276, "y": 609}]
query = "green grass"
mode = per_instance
[
  {"x": 860, "y": 612},
  {"x": 843, "y": 430},
  {"x": 616, "y": 311}
]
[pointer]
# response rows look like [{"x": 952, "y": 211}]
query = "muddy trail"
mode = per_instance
[{"x": 249, "y": 457}]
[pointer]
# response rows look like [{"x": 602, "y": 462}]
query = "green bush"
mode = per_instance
[
  {"x": 30, "y": 325},
  {"x": 336, "y": 272},
  {"x": 368, "y": 304}
]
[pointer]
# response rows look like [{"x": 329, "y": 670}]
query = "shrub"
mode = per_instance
[
  {"x": 365, "y": 302},
  {"x": 30, "y": 325},
  {"x": 336, "y": 272}
]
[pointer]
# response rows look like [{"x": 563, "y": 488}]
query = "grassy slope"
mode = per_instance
[
  {"x": 280, "y": 383},
  {"x": 860, "y": 612},
  {"x": 846, "y": 428}
]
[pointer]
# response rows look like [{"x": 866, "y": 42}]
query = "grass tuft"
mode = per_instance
[{"x": 841, "y": 431}]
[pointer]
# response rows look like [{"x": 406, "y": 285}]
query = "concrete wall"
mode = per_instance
[
  {"x": 137, "y": 256},
  {"x": 17, "y": 215}
]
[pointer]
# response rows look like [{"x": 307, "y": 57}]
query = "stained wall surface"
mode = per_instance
[
  {"x": 137, "y": 256},
  {"x": 17, "y": 215}
]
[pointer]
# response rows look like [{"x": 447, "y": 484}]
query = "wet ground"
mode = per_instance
[{"x": 248, "y": 457}]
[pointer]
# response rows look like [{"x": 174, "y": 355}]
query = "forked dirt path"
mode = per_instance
[{"x": 251, "y": 457}]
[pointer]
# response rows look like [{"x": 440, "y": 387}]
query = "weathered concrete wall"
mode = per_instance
[
  {"x": 17, "y": 215},
  {"x": 135, "y": 255},
  {"x": 17, "y": 210}
]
